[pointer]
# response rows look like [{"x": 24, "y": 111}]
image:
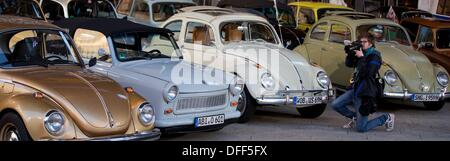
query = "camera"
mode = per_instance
[{"x": 351, "y": 47}]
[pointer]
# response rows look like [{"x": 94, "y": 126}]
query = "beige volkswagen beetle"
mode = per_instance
[{"x": 46, "y": 93}]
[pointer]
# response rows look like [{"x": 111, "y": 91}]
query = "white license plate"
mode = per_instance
[
  {"x": 209, "y": 120},
  {"x": 307, "y": 100},
  {"x": 425, "y": 97}
]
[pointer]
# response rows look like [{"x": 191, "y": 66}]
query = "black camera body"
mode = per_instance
[{"x": 350, "y": 49}]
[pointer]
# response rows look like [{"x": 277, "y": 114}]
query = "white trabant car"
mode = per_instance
[
  {"x": 150, "y": 12},
  {"x": 59, "y": 9},
  {"x": 186, "y": 97},
  {"x": 248, "y": 46}
]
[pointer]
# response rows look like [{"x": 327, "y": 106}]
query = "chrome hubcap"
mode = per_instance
[{"x": 9, "y": 133}]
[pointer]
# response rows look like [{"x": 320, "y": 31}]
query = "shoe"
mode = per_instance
[
  {"x": 390, "y": 122},
  {"x": 350, "y": 124}
]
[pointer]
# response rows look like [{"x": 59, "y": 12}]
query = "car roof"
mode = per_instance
[
  {"x": 65, "y": 2},
  {"x": 107, "y": 26},
  {"x": 252, "y": 4},
  {"x": 352, "y": 21},
  {"x": 8, "y": 23},
  {"x": 170, "y": 1},
  {"x": 210, "y": 13},
  {"x": 317, "y": 5},
  {"x": 432, "y": 23}
]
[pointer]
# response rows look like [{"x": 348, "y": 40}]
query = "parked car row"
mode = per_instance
[{"x": 89, "y": 70}]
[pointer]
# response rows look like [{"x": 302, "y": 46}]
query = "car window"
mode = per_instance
[
  {"x": 52, "y": 10},
  {"x": 36, "y": 47},
  {"x": 306, "y": 16},
  {"x": 141, "y": 11},
  {"x": 443, "y": 38},
  {"x": 199, "y": 33},
  {"x": 124, "y": 7},
  {"x": 175, "y": 27},
  {"x": 319, "y": 31},
  {"x": 261, "y": 32},
  {"x": 339, "y": 33},
  {"x": 92, "y": 44},
  {"x": 425, "y": 35},
  {"x": 411, "y": 28},
  {"x": 385, "y": 33},
  {"x": 91, "y": 9}
]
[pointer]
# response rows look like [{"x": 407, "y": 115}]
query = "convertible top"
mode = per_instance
[
  {"x": 107, "y": 26},
  {"x": 252, "y": 4}
]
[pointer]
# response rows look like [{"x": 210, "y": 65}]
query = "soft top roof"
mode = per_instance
[{"x": 107, "y": 26}]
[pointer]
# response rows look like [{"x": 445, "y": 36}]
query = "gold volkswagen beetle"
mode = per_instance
[{"x": 46, "y": 93}]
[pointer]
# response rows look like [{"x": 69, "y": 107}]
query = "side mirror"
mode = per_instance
[{"x": 92, "y": 62}]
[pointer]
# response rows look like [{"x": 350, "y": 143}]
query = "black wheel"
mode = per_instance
[
  {"x": 312, "y": 111},
  {"x": 434, "y": 106},
  {"x": 246, "y": 105},
  {"x": 13, "y": 129}
]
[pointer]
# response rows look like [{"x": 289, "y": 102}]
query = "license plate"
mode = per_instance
[
  {"x": 209, "y": 120},
  {"x": 425, "y": 97},
  {"x": 307, "y": 100}
]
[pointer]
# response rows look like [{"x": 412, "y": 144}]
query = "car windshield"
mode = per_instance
[
  {"x": 385, "y": 33},
  {"x": 24, "y": 8},
  {"x": 247, "y": 31},
  {"x": 144, "y": 45},
  {"x": 286, "y": 17},
  {"x": 322, "y": 12},
  {"x": 163, "y": 11},
  {"x": 36, "y": 47},
  {"x": 443, "y": 39},
  {"x": 82, "y": 8}
]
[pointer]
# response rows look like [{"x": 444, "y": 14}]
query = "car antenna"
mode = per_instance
[{"x": 278, "y": 20}]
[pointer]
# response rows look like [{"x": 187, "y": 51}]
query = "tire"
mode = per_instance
[
  {"x": 247, "y": 106},
  {"x": 434, "y": 106},
  {"x": 12, "y": 128},
  {"x": 312, "y": 111}
]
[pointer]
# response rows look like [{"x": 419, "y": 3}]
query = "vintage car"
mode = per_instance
[
  {"x": 401, "y": 12},
  {"x": 48, "y": 94},
  {"x": 150, "y": 12},
  {"x": 248, "y": 46},
  {"x": 22, "y": 8},
  {"x": 284, "y": 21},
  {"x": 58, "y": 9},
  {"x": 308, "y": 13},
  {"x": 408, "y": 74},
  {"x": 149, "y": 60},
  {"x": 431, "y": 37}
]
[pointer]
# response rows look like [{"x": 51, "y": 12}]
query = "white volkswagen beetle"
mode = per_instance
[
  {"x": 248, "y": 46},
  {"x": 185, "y": 97}
]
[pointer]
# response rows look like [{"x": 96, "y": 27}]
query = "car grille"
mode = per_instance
[{"x": 201, "y": 102}]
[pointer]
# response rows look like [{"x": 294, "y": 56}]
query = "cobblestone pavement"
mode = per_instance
[{"x": 284, "y": 124}]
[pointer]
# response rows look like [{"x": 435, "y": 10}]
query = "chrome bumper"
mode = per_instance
[
  {"x": 407, "y": 96},
  {"x": 140, "y": 136},
  {"x": 286, "y": 99}
]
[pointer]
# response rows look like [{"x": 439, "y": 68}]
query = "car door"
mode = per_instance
[
  {"x": 315, "y": 43},
  {"x": 199, "y": 43},
  {"x": 93, "y": 44},
  {"x": 333, "y": 58}
]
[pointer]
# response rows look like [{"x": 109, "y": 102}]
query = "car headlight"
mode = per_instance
[
  {"x": 237, "y": 86},
  {"x": 146, "y": 114},
  {"x": 267, "y": 81},
  {"x": 390, "y": 77},
  {"x": 54, "y": 122},
  {"x": 442, "y": 79},
  {"x": 323, "y": 80},
  {"x": 170, "y": 93}
]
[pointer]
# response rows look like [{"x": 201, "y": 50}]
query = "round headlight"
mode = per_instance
[
  {"x": 442, "y": 79},
  {"x": 171, "y": 93},
  {"x": 390, "y": 77},
  {"x": 237, "y": 86},
  {"x": 146, "y": 114},
  {"x": 54, "y": 122},
  {"x": 323, "y": 80},
  {"x": 267, "y": 81}
]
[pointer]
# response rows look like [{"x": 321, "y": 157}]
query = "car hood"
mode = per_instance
[
  {"x": 90, "y": 99},
  {"x": 188, "y": 77},
  {"x": 411, "y": 66},
  {"x": 294, "y": 69}
]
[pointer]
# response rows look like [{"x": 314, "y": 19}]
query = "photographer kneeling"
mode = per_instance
[{"x": 364, "y": 89}]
